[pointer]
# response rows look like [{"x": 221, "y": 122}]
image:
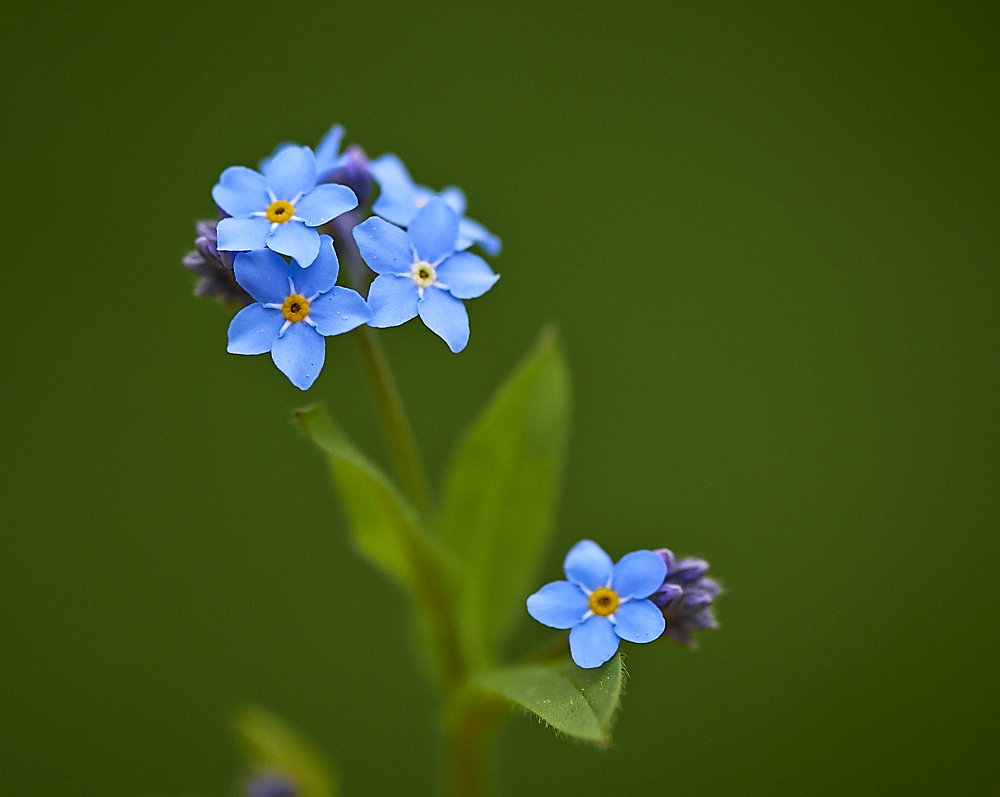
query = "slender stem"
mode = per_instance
[
  {"x": 387, "y": 400},
  {"x": 471, "y": 721},
  {"x": 390, "y": 410}
]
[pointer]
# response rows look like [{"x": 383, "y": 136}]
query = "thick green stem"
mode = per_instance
[
  {"x": 471, "y": 721},
  {"x": 390, "y": 410}
]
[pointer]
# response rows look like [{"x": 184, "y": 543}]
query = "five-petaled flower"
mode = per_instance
[
  {"x": 295, "y": 308},
  {"x": 280, "y": 208},
  {"x": 421, "y": 273},
  {"x": 400, "y": 199},
  {"x": 601, "y": 602}
]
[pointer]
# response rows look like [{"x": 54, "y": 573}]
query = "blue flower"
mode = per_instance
[
  {"x": 294, "y": 310},
  {"x": 421, "y": 273},
  {"x": 401, "y": 198},
  {"x": 602, "y": 603},
  {"x": 685, "y": 597},
  {"x": 280, "y": 208}
]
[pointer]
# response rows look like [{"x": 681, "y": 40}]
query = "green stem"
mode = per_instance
[
  {"x": 471, "y": 721},
  {"x": 390, "y": 411}
]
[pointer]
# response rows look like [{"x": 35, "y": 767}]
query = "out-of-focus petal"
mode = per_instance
[
  {"x": 455, "y": 197},
  {"x": 328, "y": 150},
  {"x": 472, "y": 232}
]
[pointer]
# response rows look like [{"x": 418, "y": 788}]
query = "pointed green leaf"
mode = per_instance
[
  {"x": 578, "y": 702},
  {"x": 270, "y": 743},
  {"x": 385, "y": 526},
  {"x": 387, "y": 532},
  {"x": 500, "y": 494}
]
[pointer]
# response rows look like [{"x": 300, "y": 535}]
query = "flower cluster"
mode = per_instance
[
  {"x": 645, "y": 595},
  {"x": 284, "y": 229}
]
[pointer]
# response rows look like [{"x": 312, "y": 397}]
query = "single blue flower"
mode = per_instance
[
  {"x": 280, "y": 208},
  {"x": 400, "y": 199},
  {"x": 420, "y": 273},
  {"x": 601, "y": 602},
  {"x": 295, "y": 309},
  {"x": 685, "y": 597}
]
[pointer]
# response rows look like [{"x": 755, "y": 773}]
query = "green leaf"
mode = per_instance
[
  {"x": 387, "y": 532},
  {"x": 385, "y": 526},
  {"x": 270, "y": 743},
  {"x": 500, "y": 493},
  {"x": 578, "y": 702}
]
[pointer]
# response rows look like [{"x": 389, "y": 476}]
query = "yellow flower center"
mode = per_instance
[
  {"x": 603, "y": 601},
  {"x": 295, "y": 307},
  {"x": 279, "y": 211},
  {"x": 423, "y": 274}
]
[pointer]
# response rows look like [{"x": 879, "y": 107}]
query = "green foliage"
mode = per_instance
[
  {"x": 500, "y": 493},
  {"x": 580, "y": 703},
  {"x": 270, "y": 743},
  {"x": 388, "y": 532}
]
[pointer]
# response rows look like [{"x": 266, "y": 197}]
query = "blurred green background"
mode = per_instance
[{"x": 769, "y": 236}]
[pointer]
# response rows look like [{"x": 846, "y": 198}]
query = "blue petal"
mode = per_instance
[
  {"x": 392, "y": 176},
  {"x": 299, "y": 354},
  {"x": 291, "y": 172},
  {"x": 384, "y": 247},
  {"x": 434, "y": 231},
  {"x": 325, "y": 202},
  {"x": 393, "y": 300},
  {"x": 588, "y": 566},
  {"x": 466, "y": 275},
  {"x": 398, "y": 211},
  {"x": 328, "y": 149},
  {"x": 593, "y": 642},
  {"x": 242, "y": 235},
  {"x": 241, "y": 191},
  {"x": 639, "y": 621},
  {"x": 638, "y": 575},
  {"x": 263, "y": 274},
  {"x": 339, "y": 311},
  {"x": 445, "y": 316},
  {"x": 472, "y": 232},
  {"x": 558, "y": 605},
  {"x": 454, "y": 197},
  {"x": 321, "y": 275},
  {"x": 253, "y": 330},
  {"x": 294, "y": 239}
]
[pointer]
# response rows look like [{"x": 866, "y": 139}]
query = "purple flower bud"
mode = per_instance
[
  {"x": 355, "y": 173},
  {"x": 272, "y": 784},
  {"x": 685, "y": 597},
  {"x": 215, "y": 268}
]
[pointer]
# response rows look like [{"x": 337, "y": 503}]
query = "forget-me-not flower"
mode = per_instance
[
  {"x": 601, "y": 602},
  {"x": 400, "y": 199},
  {"x": 280, "y": 208},
  {"x": 328, "y": 155},
  {"x": 295, "y": 309},
  {"x": 420, "y": 272},
  {"x": 685, "y": 597}
]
